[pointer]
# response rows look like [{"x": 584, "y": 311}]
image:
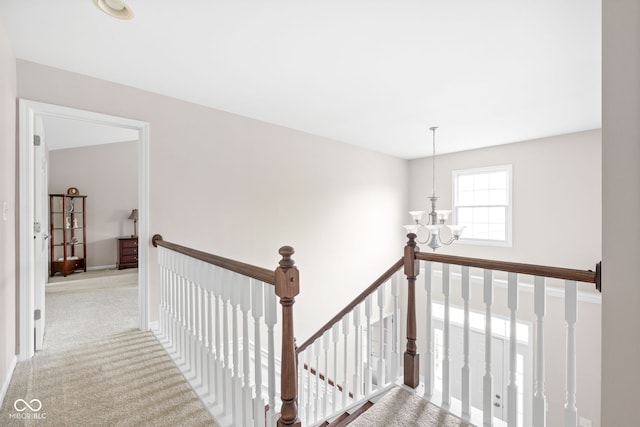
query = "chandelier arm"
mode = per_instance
[{"x": 451, "y": 240}]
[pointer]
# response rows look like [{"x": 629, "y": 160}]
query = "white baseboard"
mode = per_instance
[
  {"x": 101, "y": 267},
  {"x": 7, "y": 381},
  {"x": 155, "y": 325}
]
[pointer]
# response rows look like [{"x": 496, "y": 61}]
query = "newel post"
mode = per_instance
[
  {"x": 411, "y": 356},
  {"x": 287, "y": 287}
]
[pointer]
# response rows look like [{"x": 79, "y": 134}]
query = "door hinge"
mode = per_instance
[
  {"x": 37, "y": 227},
  {"x": 37, "y": 314},
  {"x": 36, "y": 140}
]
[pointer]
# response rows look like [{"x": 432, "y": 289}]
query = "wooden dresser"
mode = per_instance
[{"x": 127, "y": 252}]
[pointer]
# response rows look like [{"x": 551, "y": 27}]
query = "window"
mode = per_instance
[{"x": 482, "y": 203}]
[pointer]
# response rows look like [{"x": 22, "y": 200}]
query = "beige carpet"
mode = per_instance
[
  {"x": 399, "y": 408},
  {"x": 96, "y": 368}
]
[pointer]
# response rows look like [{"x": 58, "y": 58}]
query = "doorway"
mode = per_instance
[{"x": 31, "y": 237}]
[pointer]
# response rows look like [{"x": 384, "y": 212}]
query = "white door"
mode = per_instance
[
  {"x": 41, "y": 231},
  {"x": 477, "y": 365}
]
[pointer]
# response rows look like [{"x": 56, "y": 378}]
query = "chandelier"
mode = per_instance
[{"x": 436, "y": 218}]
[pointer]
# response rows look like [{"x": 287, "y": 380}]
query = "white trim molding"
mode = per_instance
[
  {"x": 7, "y": 381},
  {"x": 28, "y": 111}
]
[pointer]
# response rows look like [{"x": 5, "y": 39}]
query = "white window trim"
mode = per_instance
[{"x": 508, "y": 242}]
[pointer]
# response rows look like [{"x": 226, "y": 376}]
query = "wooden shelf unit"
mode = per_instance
[{"x": 68, "y": 233}]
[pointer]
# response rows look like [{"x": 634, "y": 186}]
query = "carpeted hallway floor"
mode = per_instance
[{"x": 96, "y": 368}]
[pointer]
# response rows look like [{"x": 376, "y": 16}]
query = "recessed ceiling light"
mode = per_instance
[{"x": 116, "y": 8}]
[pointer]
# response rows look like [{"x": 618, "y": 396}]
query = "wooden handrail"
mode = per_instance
[
  {"x": 335, "y": 319},
  {"x": 322, "y": 377},
  {"x": 585, "y": 276},
  {"x": 258, "y": 273}
]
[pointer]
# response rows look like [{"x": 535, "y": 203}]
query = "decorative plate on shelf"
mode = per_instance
[{"x": 72, "y": 191}]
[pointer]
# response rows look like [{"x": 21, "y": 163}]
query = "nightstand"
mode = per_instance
[{"x": 127, "y": 252}]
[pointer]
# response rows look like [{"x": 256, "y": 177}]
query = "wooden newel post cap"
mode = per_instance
[
  {"x": 286, "y": 252},
  {"x": 411, "y": 265},
  {"x": 287, "y": 275}
]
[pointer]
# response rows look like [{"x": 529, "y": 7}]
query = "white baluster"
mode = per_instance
[
  {"x": 188, "y": 318},
  {"x": 326, "y": 341},
  {"x": 257, "y": 310},
  {"x": 395, "y": 339},
  {"x": 446, "y": 364},
  {"x": 247, "y": 392},
  {"x": 368, "y": 373},
  {"x": 170, "y": 301},
  {"x": 173, "y": 320},
  {"x": 163, "y": 296},
  {"x": 236, "y": 384},
  {"x": 539, "y": 399},
  {"x": 309, "y": 403},
  {"x": 428, "y": 369},
  {"x": 211, "y": 358},
  {"x": 357, "y": 357},
  {"x": 335, "y": 333},
  {"x": 184, "y": 306},
  {"x": 177, "y": 308},
  {"x": 169, "y": 277},
  {"x": 271, "y": 318},
  {"x": 512, "y": 388},
  {"x": 193, "y": 321},
  {"x": 228, "y": 373},
  {"x": 184, "y": 313},
  {"x": 487, "y": 411},
  {"x": 316, "y": 352},
  {"x": 381, "y": 360},
  {"x": 570, "y": 311},
  {"x": 203, "y": 321},
  {"x": 197, "y": 326},
  {"x": 345, "y": 335},
  {"x": 466, "y": 374},
  {"x": 218, "y": 380}
]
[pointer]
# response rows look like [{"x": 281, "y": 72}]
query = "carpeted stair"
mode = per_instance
[{"x": 398, "y": 408}]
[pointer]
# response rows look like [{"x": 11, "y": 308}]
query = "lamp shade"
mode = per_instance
[{"x": 134, "y": 215}]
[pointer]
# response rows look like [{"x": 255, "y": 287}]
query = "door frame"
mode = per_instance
[{"x": 28, "y": 111}]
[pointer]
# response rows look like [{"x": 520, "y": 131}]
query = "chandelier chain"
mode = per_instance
[{"x": 433, "y": 158}]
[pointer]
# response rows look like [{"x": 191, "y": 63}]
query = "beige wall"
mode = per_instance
[
  {"x": 557, "y": 194},
  {"x": 242, "y": 188},
  {"x": 8, "y": 160},
  {"x": 108, "y": 175},
  {"x": 621, "y": 205}
]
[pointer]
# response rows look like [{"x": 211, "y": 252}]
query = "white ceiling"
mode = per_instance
[{"x": 372, "y": 73}]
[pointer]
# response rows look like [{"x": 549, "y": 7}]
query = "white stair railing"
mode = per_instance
[
  {"x": 219, "y": 322},
  {"x": 215, "y": 317},
  {"x": 489, "y": 277},
  {"x": 354, "y": 356}
]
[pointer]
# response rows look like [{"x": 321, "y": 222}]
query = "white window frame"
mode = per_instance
[{"x": 507, "y": 242}]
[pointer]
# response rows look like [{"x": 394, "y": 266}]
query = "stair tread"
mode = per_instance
[{"x": 347, "y": 418}]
